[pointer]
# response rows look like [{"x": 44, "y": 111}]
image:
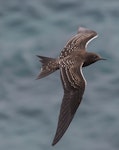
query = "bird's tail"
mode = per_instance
[{"x": 49, "y": 65}]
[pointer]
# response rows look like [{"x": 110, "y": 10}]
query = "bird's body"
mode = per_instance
[{"x": 70, "y": 62}]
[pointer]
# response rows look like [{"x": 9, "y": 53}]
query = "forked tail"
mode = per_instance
[{"x": 49, "y": 65}]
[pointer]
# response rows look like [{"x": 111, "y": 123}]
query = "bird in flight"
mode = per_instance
[{"x": 70, "y": 62}]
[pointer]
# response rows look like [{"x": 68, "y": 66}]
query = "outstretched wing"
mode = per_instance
[
  {"x": 74, "y": 85},
  {"x": 79, "y": 41}
]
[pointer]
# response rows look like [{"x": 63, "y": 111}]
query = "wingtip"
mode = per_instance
[
  {"x": 56, "y": 139},
  {"x": 80, "y": 28},
  {"x": 83, "y": 29},
  {"x": 54, "y": 143}
]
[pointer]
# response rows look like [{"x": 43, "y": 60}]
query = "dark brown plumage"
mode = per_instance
[{"x": 70, "y": 62}]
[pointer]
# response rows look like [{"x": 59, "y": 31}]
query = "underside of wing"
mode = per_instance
[
  {"x": 74, "y": 86},
  {"x": 79, "y": 41},
  {"x": 67, "y": 111}
]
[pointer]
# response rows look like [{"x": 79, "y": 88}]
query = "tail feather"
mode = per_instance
[{"x": 49, "y": 65}]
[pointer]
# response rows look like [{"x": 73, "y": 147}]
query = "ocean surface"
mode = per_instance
[{"x": 29, "y": 108}]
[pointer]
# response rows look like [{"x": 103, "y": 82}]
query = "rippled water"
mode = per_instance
[{"x": 29, "y": 108}]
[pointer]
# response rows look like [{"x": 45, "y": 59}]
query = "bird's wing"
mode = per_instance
[
  {"x": 74, "y": 85},
  {"x": 79, "y": 41}
]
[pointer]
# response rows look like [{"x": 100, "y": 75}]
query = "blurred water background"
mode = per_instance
[{"x": 29, "y": 108}]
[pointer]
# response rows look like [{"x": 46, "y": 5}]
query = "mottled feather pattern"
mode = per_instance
[
  {"x": 71, "y": 100},
  {"x": 77, "y": 42},
  {"x": 70, "y": 62},
  {"x": 49, "y": 65}
]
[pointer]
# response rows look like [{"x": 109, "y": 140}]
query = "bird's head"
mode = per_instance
[{"x": 92, "y": 58}]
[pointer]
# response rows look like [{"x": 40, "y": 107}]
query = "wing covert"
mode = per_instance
[{"x": 79, "y": 41}]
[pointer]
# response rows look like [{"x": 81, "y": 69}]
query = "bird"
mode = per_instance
[{"x": 72, "y": 59}]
